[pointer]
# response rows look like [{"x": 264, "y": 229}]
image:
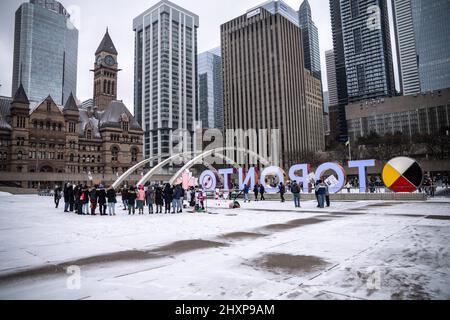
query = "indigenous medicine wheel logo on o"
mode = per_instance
[{"x": 402, "y": 175}]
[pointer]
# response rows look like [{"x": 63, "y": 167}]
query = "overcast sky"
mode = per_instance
[{"x": 118, "y": 15}]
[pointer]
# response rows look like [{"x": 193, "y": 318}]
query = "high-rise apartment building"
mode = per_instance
[
  {"x": 423, "y": 44},
  {"x": 165, "y": 95},
  {"x": 310, "y": 36},
  {"x": 264, "y": 79},
  {"x": 45, "y": 51},
  {"x": 210, "y": 97}
]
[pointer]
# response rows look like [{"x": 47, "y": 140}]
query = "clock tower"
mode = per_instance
[{"x": 105, "y": 73}]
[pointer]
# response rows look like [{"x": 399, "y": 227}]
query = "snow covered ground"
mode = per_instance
[{"x": 266, "y": 250}]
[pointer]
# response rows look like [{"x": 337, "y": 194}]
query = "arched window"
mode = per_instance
[
  {"x": 88, "y": 134},
  {"x": 109, "y": 87},
  {"x": 104, "y": 86},
  {"x": 54, "y": 127},
  {"x": 47, "y": 125},
  {"x": 112, "y": 88},
  {"x": 41, "y": 125},
  {"x": 71, "y": 157},
  {"x": 134, "y": 155},
  {"x": 20, "y": 155},
  {"x": 114, "y": 154}
]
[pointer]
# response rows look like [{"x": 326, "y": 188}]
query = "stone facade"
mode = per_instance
[{"x": 44, "y": 137}]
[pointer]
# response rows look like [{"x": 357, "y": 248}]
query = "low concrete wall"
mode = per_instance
[
  {"x": 355, "y": 197},
  {"x": 18, "y": 191}
]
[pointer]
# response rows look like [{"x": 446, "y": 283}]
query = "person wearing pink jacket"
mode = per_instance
[{"x": 140, "y": 199}]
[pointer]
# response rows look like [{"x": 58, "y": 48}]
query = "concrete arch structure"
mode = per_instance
[
  {"x": 149, "y": 174},
  {"x": 130, "y": 171},
  {"x": 218, "y": 150}
]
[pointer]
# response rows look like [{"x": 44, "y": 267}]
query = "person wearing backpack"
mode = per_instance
[
  {"x": 112, "y": 200},
  {"x": 295, "y": 189}
]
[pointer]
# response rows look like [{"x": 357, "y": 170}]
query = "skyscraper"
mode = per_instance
[
  {"x": 310, "y": 35},
  {"x": 367, "y": 49},
  {"x": 423, "y": 44},
  {"x": 210, "y": 89},
  {"x": 264, "y": 79},
  {"x": 165, "y": 95},
  {"x": 338, "y": 122},
  {"x": 45, "y": 51},
  {"x": 331, "y": 78}
]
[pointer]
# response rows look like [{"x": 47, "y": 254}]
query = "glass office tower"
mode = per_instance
[
  {"x": 165, "y": 85},
  {"x": 367, "y": 49},
  {"x": 423, "y": 44},
  {"x": 310, "y": 36},
  {"x": 45, "y": 51},
  {"x": 210, "y": 89}
]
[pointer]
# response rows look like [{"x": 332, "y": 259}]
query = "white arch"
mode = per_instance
[
  {"x": 129, "y": 172},
  {"x": 160, "y": 165},
  {"x": 207, "y": 165},
  {"x": 210, "y": 152}
]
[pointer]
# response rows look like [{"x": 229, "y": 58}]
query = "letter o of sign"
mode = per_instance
[
  {"x": 268, "y": 172},
  {"x": 208, "y": 180},
  {"x": 336, "y": 168}
]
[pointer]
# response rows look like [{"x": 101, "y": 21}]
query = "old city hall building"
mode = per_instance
[{"x": 42, "y": 143}]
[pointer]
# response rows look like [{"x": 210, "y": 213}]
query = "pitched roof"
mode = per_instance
[
  {"x": 21, "y": 96},
  {"x": 106, "y": 45},
  {"x": 113, "y": 113},
  {"x": 5, "y": 105},
  {"x": 71, "y": 104}
]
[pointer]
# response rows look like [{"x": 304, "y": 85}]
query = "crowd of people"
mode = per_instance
[
  {"x": 321, "y": 190},
  {"x": 84, "y": 200}
]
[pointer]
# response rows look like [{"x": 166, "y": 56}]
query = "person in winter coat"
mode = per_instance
[
  {"x": 262, "y": 191},
  {"x": 93, "y": 196},
  {"x": 84, "y": 197},
  {"x": 159, "y": 199},
  {"x": 256, "y": 191},
  {"x": 131, "y": 197},
  {"x": 66, "y": 197},
  {"x": 192, "y": 202},
  {"x": 246, "y": 191},
  {"x": 177, "y": 203},
  {"x": 295, "y": 189},
  {"x": 112, "y": 200},
  {"x": 71, "y": 197},
  {"x": 321, "y": 190},
  {"x": 201, "y": 198},
  {"x": 282, "y": 191},
  {"x": 150, "y": 199},
  {"x": 101, "y": 198},
  {"x": 124, "y": 194},
  {"x": 57, "y": 196},
  {"x": 77, "y": 195},
  {"x": 168, "y": 197},
  {"x": 140, "y": 199},
  {"x": 327, "y": 195}
]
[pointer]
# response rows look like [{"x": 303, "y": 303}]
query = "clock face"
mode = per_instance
[
  {"x": 109, "y": 60},
  {"x": 99, "y": 60}
]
